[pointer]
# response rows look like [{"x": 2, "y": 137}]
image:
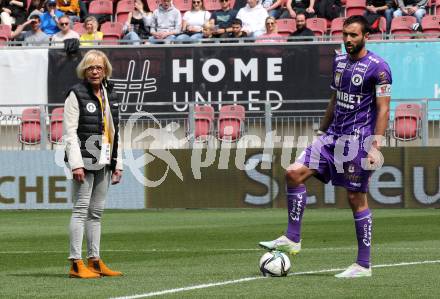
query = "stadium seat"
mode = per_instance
[
  {"x": 5, "y": 32},
  {"x": 112, "y": 31},
  {"x": 183, "y": 5},
  {"x": 30, "y": 126},
  {"x": 231, "y": 122},
  {"x": 317, "y": 25},
  {"x": 153, "y": 4},
  {"x": 336, "y": 29},
  {"x": 437, "y": 7},
  {"x": 431, "y": 26},
  {"x": 79, "y": 28},
  {"x": 123, "y": 8},
  {"x": 56, "y": 125},
  {"x": 355, "y": 7},
  {"x": 101, "y": 7},
  {"x": 286, "y": 26},
  {"x": 382, "y": 30},
  {"x": 407, "y": 122},
  {"x": 401, "y": 26},
  {"x": 203, "y": 121}
]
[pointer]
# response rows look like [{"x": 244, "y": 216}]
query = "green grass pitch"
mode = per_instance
[{"x": 171, "y": 249}]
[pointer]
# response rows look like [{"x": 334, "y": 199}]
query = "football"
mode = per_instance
[{"x": 274, "y": 263}]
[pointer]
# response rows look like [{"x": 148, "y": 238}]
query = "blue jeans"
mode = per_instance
[
  {"x": 389, "y": 17},
  {"x": 191, "y": 38},
  {"x": 418, "y": 14},
  {"x": 133, "y": 37},
  {"x": 169, "y": 38}
]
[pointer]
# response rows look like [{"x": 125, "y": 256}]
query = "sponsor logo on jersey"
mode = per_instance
[
  {"x": 341, "y": 65},
  {"x": 341, "y": 57},
  {"x": 361, "y": 69},
  {"x": 373, "y": 59},
  {"x": 362, "y": 64},
  {"x": 383, "y": 78},
  {"x": 356, "y": 80}
]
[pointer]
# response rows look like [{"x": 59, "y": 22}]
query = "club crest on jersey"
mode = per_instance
[
  {"x": 91, "y": 107},
  {"x": 356, "y": 79}
]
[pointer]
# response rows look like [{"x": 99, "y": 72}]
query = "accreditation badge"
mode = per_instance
[{"x": 104, "y": 158}]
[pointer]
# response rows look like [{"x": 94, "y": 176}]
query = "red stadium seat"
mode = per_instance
[
  {"x": 431, "y": 26},
  {"x": 317, "y": 25},
  {"x": 382, "y": 30},
  {"x": 437, "y": 7},
  {"x": 112, "y": 31},
  {"x": 336, "y": 29},
  {"x": 183, "y": 5},
  {"x": 56, "y": 125},
  {"x": 407, "y": 120},
  {"x": 231, "y": 122},
  {"x": 355, "y": 7},
  {"x": 401, "y": 27},
  {"x": 204, "y": 122},
  {"x": 30, "y": 127},
  {"x": 101, "y": 7},
  {"x": 153, "y": 4},
  {"x": 286, "y": 26},
  {"x": 123, "y": 8},
  {"x": 5, "y": 32},
  {"x": 79, "y": 28}
]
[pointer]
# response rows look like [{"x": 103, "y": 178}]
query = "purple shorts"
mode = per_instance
[{"x": 338, "y": 159}]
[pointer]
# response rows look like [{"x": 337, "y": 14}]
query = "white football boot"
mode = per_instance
[
  {"x": 282, "y": 244},
  {"x": 355, "y": 271}
]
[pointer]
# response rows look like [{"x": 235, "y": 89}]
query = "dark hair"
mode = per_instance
[
  {"x": 237, "y": 22},
  {"x": 35, "y": 17},
  {"x": 301, "y": 13},
  {"x": 360, "y": 20}
]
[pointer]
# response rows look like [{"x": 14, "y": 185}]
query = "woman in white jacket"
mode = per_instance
[{"x": 253, "y": 16}]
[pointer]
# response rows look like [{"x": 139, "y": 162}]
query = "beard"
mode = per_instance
[{"x": 355, "y": 49}]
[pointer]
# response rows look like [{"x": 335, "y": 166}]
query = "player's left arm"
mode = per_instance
[{"x": 382, "y": 118}]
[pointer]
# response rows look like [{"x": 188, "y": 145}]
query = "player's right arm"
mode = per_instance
[{"x": 328, "y": 117}]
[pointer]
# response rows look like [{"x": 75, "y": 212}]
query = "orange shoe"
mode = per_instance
[
  {"x": 79, "y": 270},
  {"x": 98, "y": 266}
]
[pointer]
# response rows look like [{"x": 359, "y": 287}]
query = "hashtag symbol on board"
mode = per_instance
[{"x": 131, "y": 88}]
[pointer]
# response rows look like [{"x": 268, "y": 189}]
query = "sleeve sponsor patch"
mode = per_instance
[{"x": 383, "y": 90}]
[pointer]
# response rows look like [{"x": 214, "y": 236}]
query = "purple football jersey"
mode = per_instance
[{"x": 357, "y": 84}]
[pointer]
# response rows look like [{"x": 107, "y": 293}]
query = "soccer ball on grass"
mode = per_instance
[{"x": 274, "y": 263}]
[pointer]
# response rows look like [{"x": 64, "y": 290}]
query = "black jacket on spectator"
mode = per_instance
[
  {"x": 19, "y": 13},
  {"x": 305, "y": 32}
]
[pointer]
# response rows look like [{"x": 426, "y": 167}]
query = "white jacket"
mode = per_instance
[{"x": 254, "y": 19}]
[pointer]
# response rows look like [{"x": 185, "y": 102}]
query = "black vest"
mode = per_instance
[{"x": 90, "y": 122}]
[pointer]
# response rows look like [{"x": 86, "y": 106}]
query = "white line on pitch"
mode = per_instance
[
  {"x": 214, "y": 250},
  {"x": 222, "y": 283}
]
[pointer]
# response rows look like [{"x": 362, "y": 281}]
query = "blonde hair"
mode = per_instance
[
  {"x": 91, "y": 19},
  {"x": 88, "y": 60},
  {"x": 275, "y": 27}
]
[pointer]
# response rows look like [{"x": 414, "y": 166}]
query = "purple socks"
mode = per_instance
[
  {"x": 296, "y": 203},
  {"x": 363, "y": 222}
]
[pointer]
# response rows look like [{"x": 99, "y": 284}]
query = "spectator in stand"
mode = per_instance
[
  {"x": 70, "y": 8},
  {"x": 65, "y": 31},
  {"x": 167, "y": 22},
  {"x": 274, "y": 8},
  {"x": 35, "y": 36},
  {"x": 271, "y": 35},
  {"x": 237, "y": 29},
  {"x": 92, "y": 33},
  {"x": 253, "y": 16},
  {"x": 36, "y": 8},
  {"x": 328, "y": 9},
  {"x": 138, "y": 23},
  {"x": 221, "y": 20},
  {"x": 301, "y": 29},
  {"x": 377, "y": 8},
  {"x": 193, "y": 21},
  {"x": 416, "y": 8},
  {"x": 207, "y": 33},
  {"x": 13, "y": 12},
  {"x": 49, "y": 19},
  {"x": 293, "y": 7}
]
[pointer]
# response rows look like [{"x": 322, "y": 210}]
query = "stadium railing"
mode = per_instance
[{"x": 176, "y": 129}]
